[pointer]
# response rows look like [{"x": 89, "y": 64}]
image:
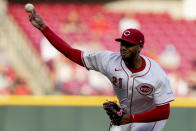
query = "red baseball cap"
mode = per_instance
[{"x": 132, "y": 36}]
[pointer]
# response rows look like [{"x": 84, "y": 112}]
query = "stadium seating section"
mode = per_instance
[{"x": 159, "y": 29}]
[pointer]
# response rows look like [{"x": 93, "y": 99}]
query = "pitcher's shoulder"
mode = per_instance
[
  {"x": 156, "y": 68},
  {"x": 112, "y": 55}
]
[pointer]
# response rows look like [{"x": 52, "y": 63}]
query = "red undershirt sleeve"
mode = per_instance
[
  {"x": 156, "y": 114},
  {"x": 71, "y": 53}
]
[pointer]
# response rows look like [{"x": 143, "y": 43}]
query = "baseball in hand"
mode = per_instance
[{"x": 29, "y": 7}]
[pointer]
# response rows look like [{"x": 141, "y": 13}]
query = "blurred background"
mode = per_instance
[{"x": 38, "y": 85}]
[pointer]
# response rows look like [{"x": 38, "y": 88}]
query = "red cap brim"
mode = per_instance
[{"x": 120, "y": 40}]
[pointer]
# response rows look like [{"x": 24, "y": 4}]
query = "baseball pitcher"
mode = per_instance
[{"x": 140, "y": 84}]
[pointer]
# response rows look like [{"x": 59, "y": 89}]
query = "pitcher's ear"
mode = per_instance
[{"x": 141, "y": 45}]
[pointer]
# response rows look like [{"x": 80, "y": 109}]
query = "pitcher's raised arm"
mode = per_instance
[{"x": 71, "y": 53}]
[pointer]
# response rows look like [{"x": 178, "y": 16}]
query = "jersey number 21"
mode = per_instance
[{"x": 116, "y": 81}]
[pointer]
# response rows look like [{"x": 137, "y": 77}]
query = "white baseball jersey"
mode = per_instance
[{"x": 137, "y": 92}]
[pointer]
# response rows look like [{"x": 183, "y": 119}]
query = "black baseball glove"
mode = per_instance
[{"x": 114, "y": 112}]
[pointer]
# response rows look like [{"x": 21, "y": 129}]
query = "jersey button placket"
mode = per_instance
[{"x": 131, "y": 85}]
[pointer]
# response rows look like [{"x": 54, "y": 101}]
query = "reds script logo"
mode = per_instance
[
  {"x": 127, "y": 33},
  {"x": 145, "y": 89}
]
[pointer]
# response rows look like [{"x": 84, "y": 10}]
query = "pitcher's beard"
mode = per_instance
[{"x": 129, "y": 58}]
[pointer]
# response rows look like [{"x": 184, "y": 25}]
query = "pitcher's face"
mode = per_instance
[{"x": 129, "y": 51}]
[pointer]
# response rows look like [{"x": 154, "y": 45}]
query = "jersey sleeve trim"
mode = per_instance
[
  {"x": 83, "y": 61},
  {"x": 164, "y": 103}
]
